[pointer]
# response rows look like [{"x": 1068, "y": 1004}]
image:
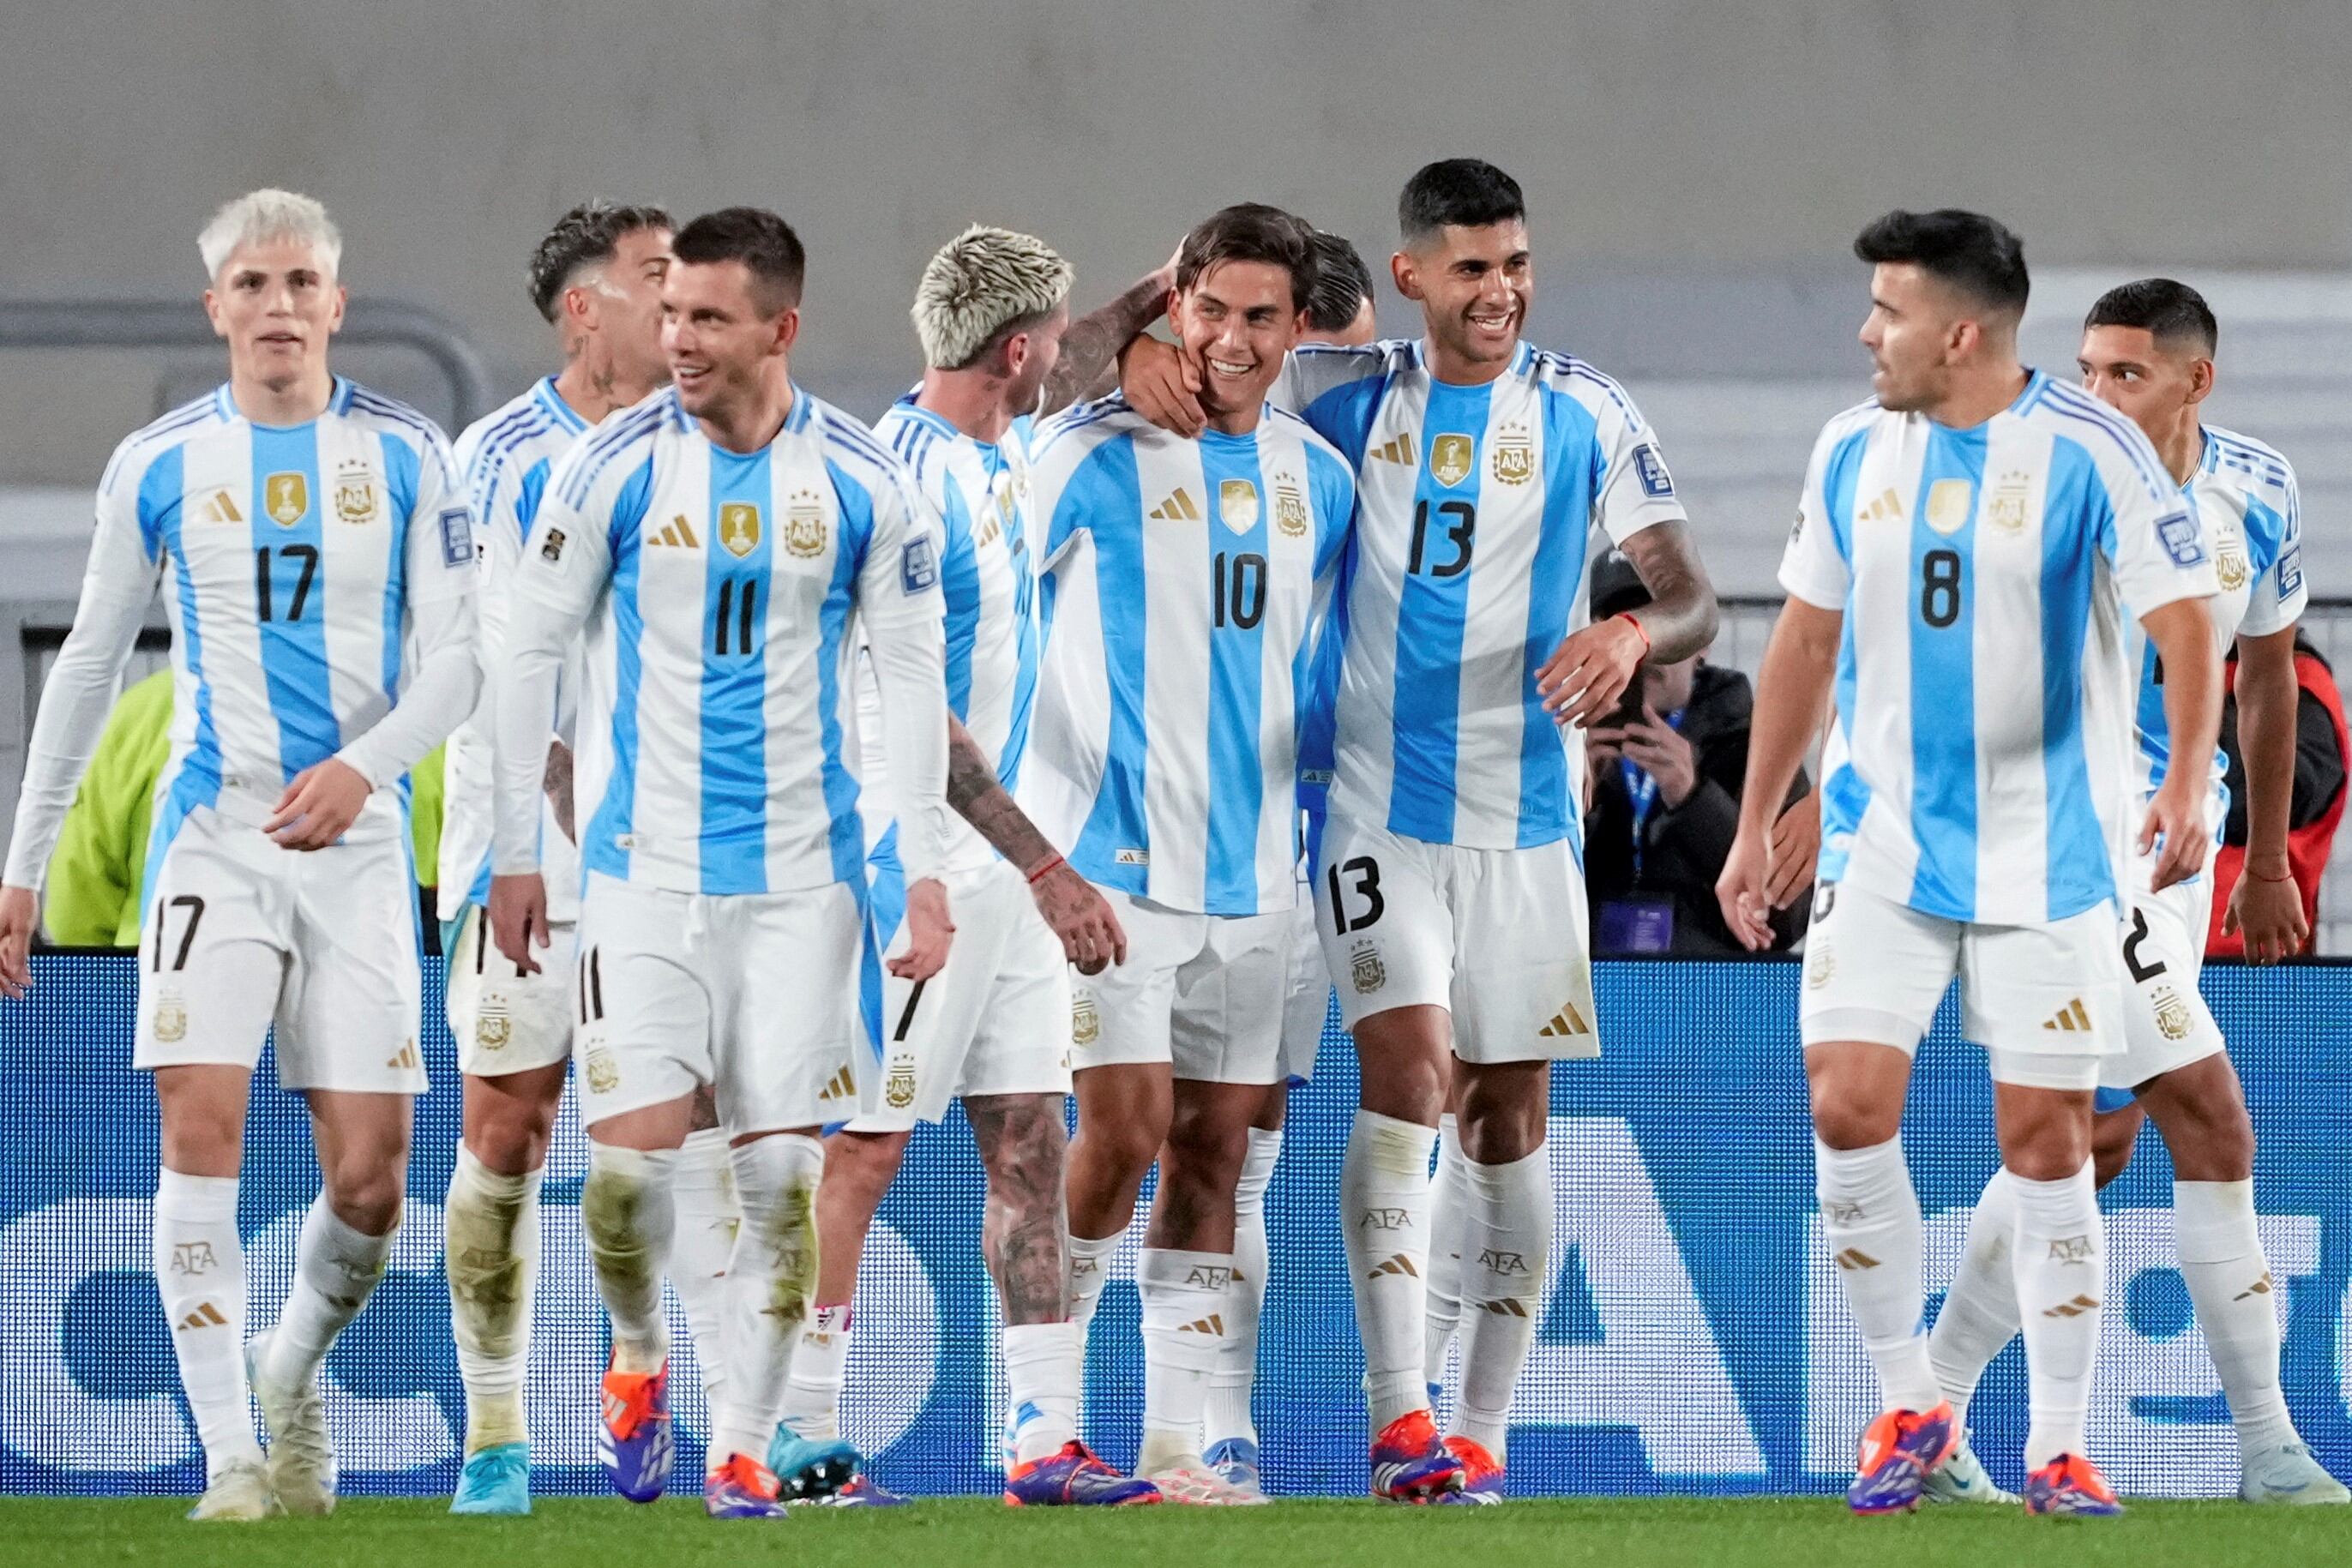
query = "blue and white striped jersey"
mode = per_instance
[
  {"x": 504, "y": 459},
  {"x": 723, "y": 594},
  {"x": 1980, "y": 766},
  {"x": 293, "y": 556},
  {"x": 2245, "y": 495},
  {"x": 978, "y": 493},
  {"x": 1475, "y": 504},
  {"x": 1184, "y": 582}
]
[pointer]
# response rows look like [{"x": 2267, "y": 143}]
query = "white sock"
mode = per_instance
[
  {"x": 768, "y": 1281},
  {"x": 1184, "y": 1331},
  {"x": 1449, "y": 1198},
  {"x": 2229, "y": 1282},
  {"x": 1228, "y": 1414},
  {"x": 491, "y": 1254},
  {"x": 335, "y": 1271},
  {"x": 1871, "y": 1223},
  {"x": 1384, "y": 1208},
  {"x": 707, "y": 1221},
  {"x": 1506, "y": 1261},
  {"x": 628, "y": 1212},
  {"x": 1980, "y": 1315},
  {"x": 812, "y": 1406},
  {"x": 199, "y": 1263},
  {"x": 1089, "y": 1259},
  {"x": 2061, "y": 1287},
  {"x": 1043, "y": 1364}
]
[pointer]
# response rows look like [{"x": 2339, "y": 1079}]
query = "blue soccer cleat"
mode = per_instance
[
  {"x": 634, "y": 1439},
  {"x": 863, "y": 1491},
  {"x": 810, "y": 1470},
  {"x": 1482, "y": 1474},
  {"x": 1235, "y": 1461},
  {"x": 742, "y": 1488},
  {"x": 497, "y": 1479},
  {"x": 1409, "y": 1464},
  {"x": 2070, "y": 1485},
  {"x": 1074, "y": 1477},
  {"x": 1899, "y": 1451}
]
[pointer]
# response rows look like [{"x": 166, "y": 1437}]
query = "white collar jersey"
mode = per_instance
[
  {"x": 503, "y": 460},
  {"x": 1183, "y": 585},
  {"x": 1979, "y": 769},
  {"x": 1474, "y": 506},
  {"x": 292, "y": 557},
  {"x": 2245, "y": 494},
  {"x": 724, "y": 593}
]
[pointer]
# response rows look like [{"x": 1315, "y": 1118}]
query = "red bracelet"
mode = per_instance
[
  {"x": 1631, "y": 620},
  {"x": 1045, "y": 870},
  {"x": 2260, "y": 877}
]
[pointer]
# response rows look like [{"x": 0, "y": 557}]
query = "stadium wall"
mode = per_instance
[{"x": 1694, "y": 1338}]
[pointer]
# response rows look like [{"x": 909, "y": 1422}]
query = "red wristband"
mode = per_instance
[
  {"x": 2260, "y": 877},
  {"x": 1634, "y": 621},
  {"x": 1044, "y": 870}
]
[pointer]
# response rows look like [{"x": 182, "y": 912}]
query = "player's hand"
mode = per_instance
[
  {"x": 519, "y": 918},
  {"x": 2176, "y": 819},
  {"x": 1163, "y": 385},
  {"x": 1589, "y": 672},
  {"x": 1658, "y": 749},
  {"x": 323, "y": 801},
  {"x": 928, "y": 931},
  {"x": 2266, "y": 910},
  {"x": 1796, "y": 847},
  {"x": 1740, "y": 890},
  {"x": 1091, "y": 936},
  {"x": 20, "y": 911}
]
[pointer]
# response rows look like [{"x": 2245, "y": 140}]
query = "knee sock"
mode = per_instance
[
  {"x": 1871, "y": 1223},
  {"x": 628, "y": 1212},
  {"x": 1384, "y": 1207},
  {"x": 812, "y": 1406},
  {"x": 1089, "y": 1259},
  {"x": 1449, "y": 1197},
  {"x": 336, "y": 1270},
  {"x": 200, "y": 1274},
  {"x": 1228, "y": 1414},
  {"x": 2061, "y": 1289},
  {"x": 1980, "y": 1315},
  {"x": 707, "y": 1221},
  {"x": 1185, "y": 1311},
  {"x": 1044, "y": 1366},
  {"x": 768, "y": 1281},
  {"x": 2229, "y": 1282},
  {"x": 490, "y": 1253},
  {"x": 1506, "y": 1261}
]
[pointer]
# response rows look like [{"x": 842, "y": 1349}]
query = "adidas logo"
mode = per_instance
[
  {"x": 2073, "y": 1018},
  {"x": 1888, "y": 505},
  {"x": 207, "y": 1316},
  {"x": 1854, "y": 1258},
  {"x": 404, "y": 1058},
  {"x": 2073, "y": 1309},
  {"x": 679, "y": 535},
  {"x": 1213, "y": 1324},
  {"x": 842, "y": 1085},
  {"x": 2261, "y": 1287},
  {"x": 1506, "y": 1308},
  {"x": 221, "y": 507},
  {"x": 1179, "y": 507},
  {"x": 1397, "y": 1264},
  {"x": 1566, "y": 1021},
  {"x": 1397, "y": 450}
]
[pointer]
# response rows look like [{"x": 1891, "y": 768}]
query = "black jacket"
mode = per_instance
[{"x": 1686, "y": 847}]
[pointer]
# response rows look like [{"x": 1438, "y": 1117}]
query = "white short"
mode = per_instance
[
  {"x": 241, "y": 935},
  {"x": 994, "y": 1020},
  {"x": 2045, "y": 1001},
  {"x": 755, "y": 994},
  {"x": 502, "y": 1020},
  {"x": 1306, "y": 1005},
  {"x": 2166, "y": 1024},
  {"x": 1204, "y": 992},
  {"x": 1499, "y": 938}
]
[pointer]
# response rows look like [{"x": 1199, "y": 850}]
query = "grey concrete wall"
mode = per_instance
[{"x": 1694, "y": 169}]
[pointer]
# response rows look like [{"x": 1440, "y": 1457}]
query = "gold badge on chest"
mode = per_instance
[
  {"x": 739, "y": 526},
  {"x": 804, "y": 525},
  {"x": 1289, "y": 507},
  {"x": 355, "y": 494},
  {"x": 1514, "y": 455},
  {"x": 1237, "y": 505},
  {"x": 1450, "y": 456},
  {"x": 1949, "y": 501},
  {"x": 287, "y": 497}
]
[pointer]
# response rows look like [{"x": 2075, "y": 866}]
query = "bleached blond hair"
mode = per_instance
[
  {"x": 983, "y": 281},
  {"x": 259, "y": 216}
]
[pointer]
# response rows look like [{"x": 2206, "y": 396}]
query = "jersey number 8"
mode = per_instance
[{"x": 1939, "y": 587}]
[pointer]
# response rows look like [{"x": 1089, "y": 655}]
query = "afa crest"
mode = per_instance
[
  {"x": 493, "y": 1029},
  {"x": 1450, "y": 457},
  {"x": 1289, "y": 508},
  {"x": 2005, "y": 508},
  {"x": 1365, "y": 970},
  {"x": 898, "y": 1085},
  {"x": 2172, "y": 1015},
  {"x": 603, "y": 1073},
  {"x": 2230, "y": 562},
  {"x": 739, "y": 526},
  {"x": 1086, "y": 1023},
  {"x": 171, "y": 1020},
  {"x": 1237, "y": 505},
  {"x": 804, "y": 525},
  {"x": 355, "y": 494},
  {"x": 287, "y": 497},
  {"x": 1514, "y": 455}
]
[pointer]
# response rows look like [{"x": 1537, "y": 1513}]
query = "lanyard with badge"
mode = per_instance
[{"x": 1639, "y": 924}]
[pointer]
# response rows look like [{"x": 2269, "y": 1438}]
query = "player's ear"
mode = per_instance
[
  {"x": 788, "y": 330},
  {"x": 1405, "y": 275},
  {"x": 335, "y": 321},
  {"x": 2201, "y": 379},
  {"x": 213, "y": 314}
]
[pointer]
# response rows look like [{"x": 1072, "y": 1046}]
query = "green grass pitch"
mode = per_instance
[{"x": 371, "y": 1533}]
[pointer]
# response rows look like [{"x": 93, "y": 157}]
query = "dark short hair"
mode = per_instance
[
  {"x": 1250, "y": 231},
  {"x": 757, "y": 239},
  {"x": 1974, "y": 254},
  {"x": 1342, "y": 284},
  {"x": 2173, "y": 313},
  {"x": 1462, "y": 192},
  {"x": 588, "y": 234}
]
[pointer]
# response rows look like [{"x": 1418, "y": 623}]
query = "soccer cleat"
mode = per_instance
[
  {"x": 1482, "y": 1473},
  {"x": 301, "y": 1456},
  {"x": 1074, "y": 1477},
  {"x": 863, "y": 1491},
  {"x": 241, "y": 1492},
  {"x": 1235, "y": 1459},
  {"x": 2288, "y": 1474},
  {"x": 2070, "y": 1485},
  {"x": 742, "y": 1488},
  {"x": 1898, "y": 1449},
  {"x": 634, "y": 1439},
  {"x": 1408, "y": 1463},
  {"x": 494, "y": 1480},
  {"x": 1192, "y": 1482},
  {"x": 810, "y": 1470},
  {"x": 1961, "y": 1478}
]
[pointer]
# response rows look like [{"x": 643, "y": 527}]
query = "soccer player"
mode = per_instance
[
  {"x": 310, "y": 531},
  {"x": 1186, "y": 579},
  {"x": 2148, "y": 351},
  {"x": 596, "y": 278},
  {"x": 993, "y": 1027},
  {"x": 1450, "y": 896},
  {"x": 1339, "y": 311},
  {"x": 1962, "y": 542},
  {"x": 723, "y": 542}
]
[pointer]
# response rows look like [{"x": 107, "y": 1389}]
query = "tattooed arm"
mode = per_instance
[
  {"x": 1091, "y": 345},
  {"x": 1593, "y": 667},
  {"x": 557, "y": 782},
  {"x": 1089, "y": 932}
]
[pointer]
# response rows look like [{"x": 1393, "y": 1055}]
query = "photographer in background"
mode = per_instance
[{"x": 1664, "y": 801}]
